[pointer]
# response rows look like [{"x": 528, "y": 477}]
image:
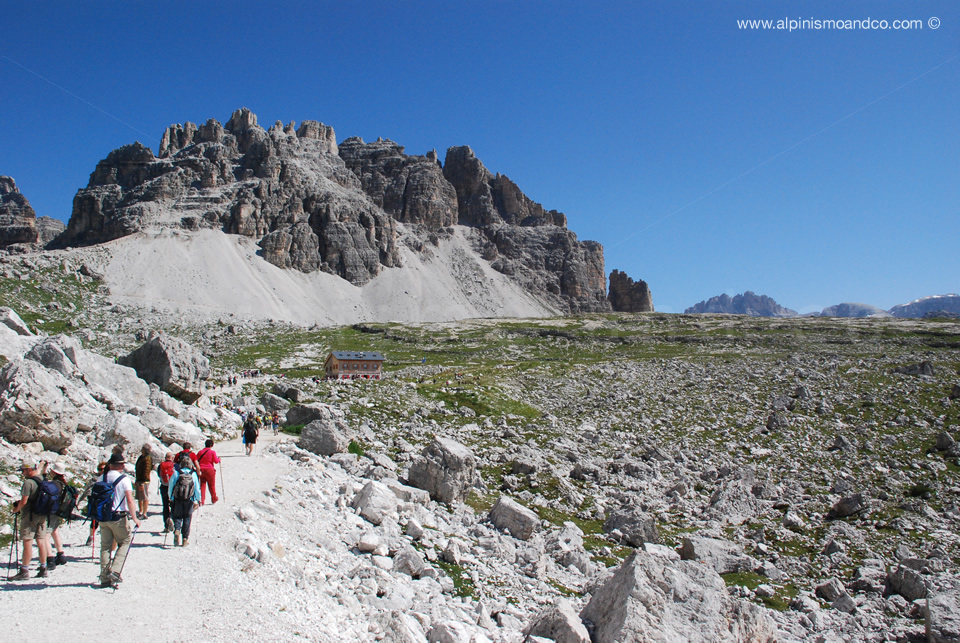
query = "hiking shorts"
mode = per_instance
[
  {"x": 142, "y": 491},
  {"x": 32, "y": 525},
  {"x": 53, "y": 522}
]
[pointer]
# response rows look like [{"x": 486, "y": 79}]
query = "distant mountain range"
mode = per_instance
[{"x": 762, "y": 306}]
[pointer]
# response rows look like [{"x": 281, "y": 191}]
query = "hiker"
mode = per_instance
[
  {"x": 59, "y": 477},
  {"x": 86, "y": 492},
  {"x": 144, "y": 467},
  {"x": 117, "y": 530},
  {"x": 32, "y": 526},
  {"x": 275, "y": 422},
  {"x": 185, "y": 496},
  {"x": 250, "y": 433},
  {"x": 188, "y": 452},
  {"x": 165, "y": 471},
  {"x": 207, "y": 459}
]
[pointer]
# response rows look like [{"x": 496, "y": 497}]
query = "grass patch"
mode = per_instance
[
  {"x": 462, "y": 583},
  {"x": 357, "y": 449},
  {"x": 293, "y": 429}
]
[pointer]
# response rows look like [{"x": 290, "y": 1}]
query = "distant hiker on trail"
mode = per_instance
[
  {"x": 165, "y": 471},
  {"x": 185, "y": 497},
  {"x": 112, "y": 504},
  {"x": 68, "y": 502},
  {"x": 251, "y": 431},
  {"x": 144, "y": 467},
  {"x": 32, "y": 525},
  {"x": 207, "y": 459}
]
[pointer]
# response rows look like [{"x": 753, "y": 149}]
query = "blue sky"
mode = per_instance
[{"x": 814, "y": 166}]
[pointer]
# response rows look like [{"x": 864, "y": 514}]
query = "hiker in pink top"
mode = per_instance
[{"x": 207, "y": 459}]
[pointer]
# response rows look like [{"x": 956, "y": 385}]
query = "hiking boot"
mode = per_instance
[
  {"x": 41, "y": 572},
  {"x": 61, "y": 559},
  {"x": 23, "y": 574},
  {"x": 51, "y": 565},
  {"x": 108, "y": 583},
  {"x": 176, "y": 538},
  {"x": 169, "y": 525},
  {"x": 115, "y": 578},
  {"x": 185, "y": 542}
]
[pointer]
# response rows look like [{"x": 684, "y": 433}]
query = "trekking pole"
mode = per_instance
[
  {"x": 120, "y": 573},
  {"x": 16, "y": 524},
  {"x": 223, "y": 492}
]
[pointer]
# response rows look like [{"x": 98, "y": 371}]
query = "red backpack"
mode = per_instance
[{"x": 165, "y": 470}]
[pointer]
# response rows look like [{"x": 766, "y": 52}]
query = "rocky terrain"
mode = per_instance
[
  {"x": 928, "y": 306},
  {"x": 351, "y": 210},
  {"x": 746, "y": 304},
  {"x": 20, "y": 229},
  {"x": 584, "y": 478}
]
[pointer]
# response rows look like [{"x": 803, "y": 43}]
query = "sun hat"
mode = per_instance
[
  {"x": 116, "y": 458},
  {"x": 60, "y": 468}
]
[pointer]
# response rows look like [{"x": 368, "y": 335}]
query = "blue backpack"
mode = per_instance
[
  {"x": 100, "y": 507},
  {"x": 46, "y": 501}
]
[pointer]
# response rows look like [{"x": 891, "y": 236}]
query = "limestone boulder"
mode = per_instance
[
  {"x": 172, "y": 364},
  {"x": 636, "y": 525},
  {"x": 943, "y": 612},
  {"x": 126, "y": 431},
  {"x": 375, "y": 502},
  {"x": 733, "y": 503},
  {"x": 41, "y": 405},
  {"x": 323, "y": 437},
  {"x": 510, "y": 515},
  {"x": 446, "y": 469},
  {"x": 723, "y": 556},
  {"x": 559, "y": 623},
  {"x": 287, "y": 391},
  {"x": 170, "y": 430},
  {"x": 650, "y": 598},
  {"x": 10, "y": 319},
  {"x": 273, "y": 403},
  {"x": 303, "y": 414}
]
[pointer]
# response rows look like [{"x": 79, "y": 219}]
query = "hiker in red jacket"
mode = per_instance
[
  {"x": 207, "y": 459},
  {"x": 165, "y": 472}
]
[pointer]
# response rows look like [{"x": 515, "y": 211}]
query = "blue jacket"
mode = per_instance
[{"x": 196, "y": 484}]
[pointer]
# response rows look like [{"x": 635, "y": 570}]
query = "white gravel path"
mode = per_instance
[{"x": 205, "y": 592}]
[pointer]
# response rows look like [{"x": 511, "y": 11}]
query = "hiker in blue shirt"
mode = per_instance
[{"x": 185, "y": 497}]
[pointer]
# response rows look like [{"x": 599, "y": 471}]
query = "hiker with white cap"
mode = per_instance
[
  {"x": 32, "y": 526},
  {"x": 115, "y": 512}
]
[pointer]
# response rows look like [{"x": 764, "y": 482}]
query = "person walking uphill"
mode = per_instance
[
  {"x": 185, "y": 497},
  {"x": 32, "y": 526},
  {"x": 144, "y": 467},
  {"x": 207, "y": 460},
  {"x": 251, "y": 431},
  {"x": 112, "y": 501},
  {"x": 165, "y": 471}
]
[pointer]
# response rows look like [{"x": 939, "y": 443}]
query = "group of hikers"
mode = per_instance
[
  {"x": 252, "y": 423},
  {"x": 116, "y": 505}
]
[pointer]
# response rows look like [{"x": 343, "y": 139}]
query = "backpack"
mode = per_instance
[
  {"x": 46, "y": 501},
  {"x": 183, "y": 489},
  {"x": 165, "y": 471},
  {"x": 100, "y": 507},
  {"x": 68, "y": 502}
]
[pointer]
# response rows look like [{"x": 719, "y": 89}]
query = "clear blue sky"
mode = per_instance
[{"x": 814, "y": 166}]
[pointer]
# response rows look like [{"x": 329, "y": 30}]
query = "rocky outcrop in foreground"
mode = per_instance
[
  {"x": 20, "y": 229},
  {"x": 311, "y": 205},
  {"x": 746, "y": 304}
]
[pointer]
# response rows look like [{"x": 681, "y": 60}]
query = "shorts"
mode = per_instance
[
  {"x": 142, "y": 491},
  {"x": 31, "y": 525},
  {"x": 53, "y": 522}
]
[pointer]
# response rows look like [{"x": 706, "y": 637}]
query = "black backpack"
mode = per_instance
[
  {"x": 183, "y": 489},
  {"x": 46, "y": 501},
  {"x": 68, "y": 502},
  {"x": 100, "y": 507}
]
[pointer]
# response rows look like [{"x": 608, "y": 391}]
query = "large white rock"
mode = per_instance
[
  {"x": 944, "y": 617},
  {"x": 723, "y": 556},
  {"x": 10, "y": 319},
  {"x": 170, "y": 430},
  {"x": 559, "y": 623},
  {"x": 126, "y": 430},
  {"x": 376, "y": 502},
  {"x": 175, "y": 366},
  {"x": 323, "y": 437},
  {"x": 511, "y": 515},
  {"x": 446, "y": 469},
  {"x": 650, "y": 598},
  {"x": 41, "y": 405}
]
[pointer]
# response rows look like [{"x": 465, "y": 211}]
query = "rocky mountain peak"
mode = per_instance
[
  {"x": 20, "y": 229},
  {"x": 311, "y": 204},
  {"x": 628, "y": 296},
  {"x": 747, "y": 303}
]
